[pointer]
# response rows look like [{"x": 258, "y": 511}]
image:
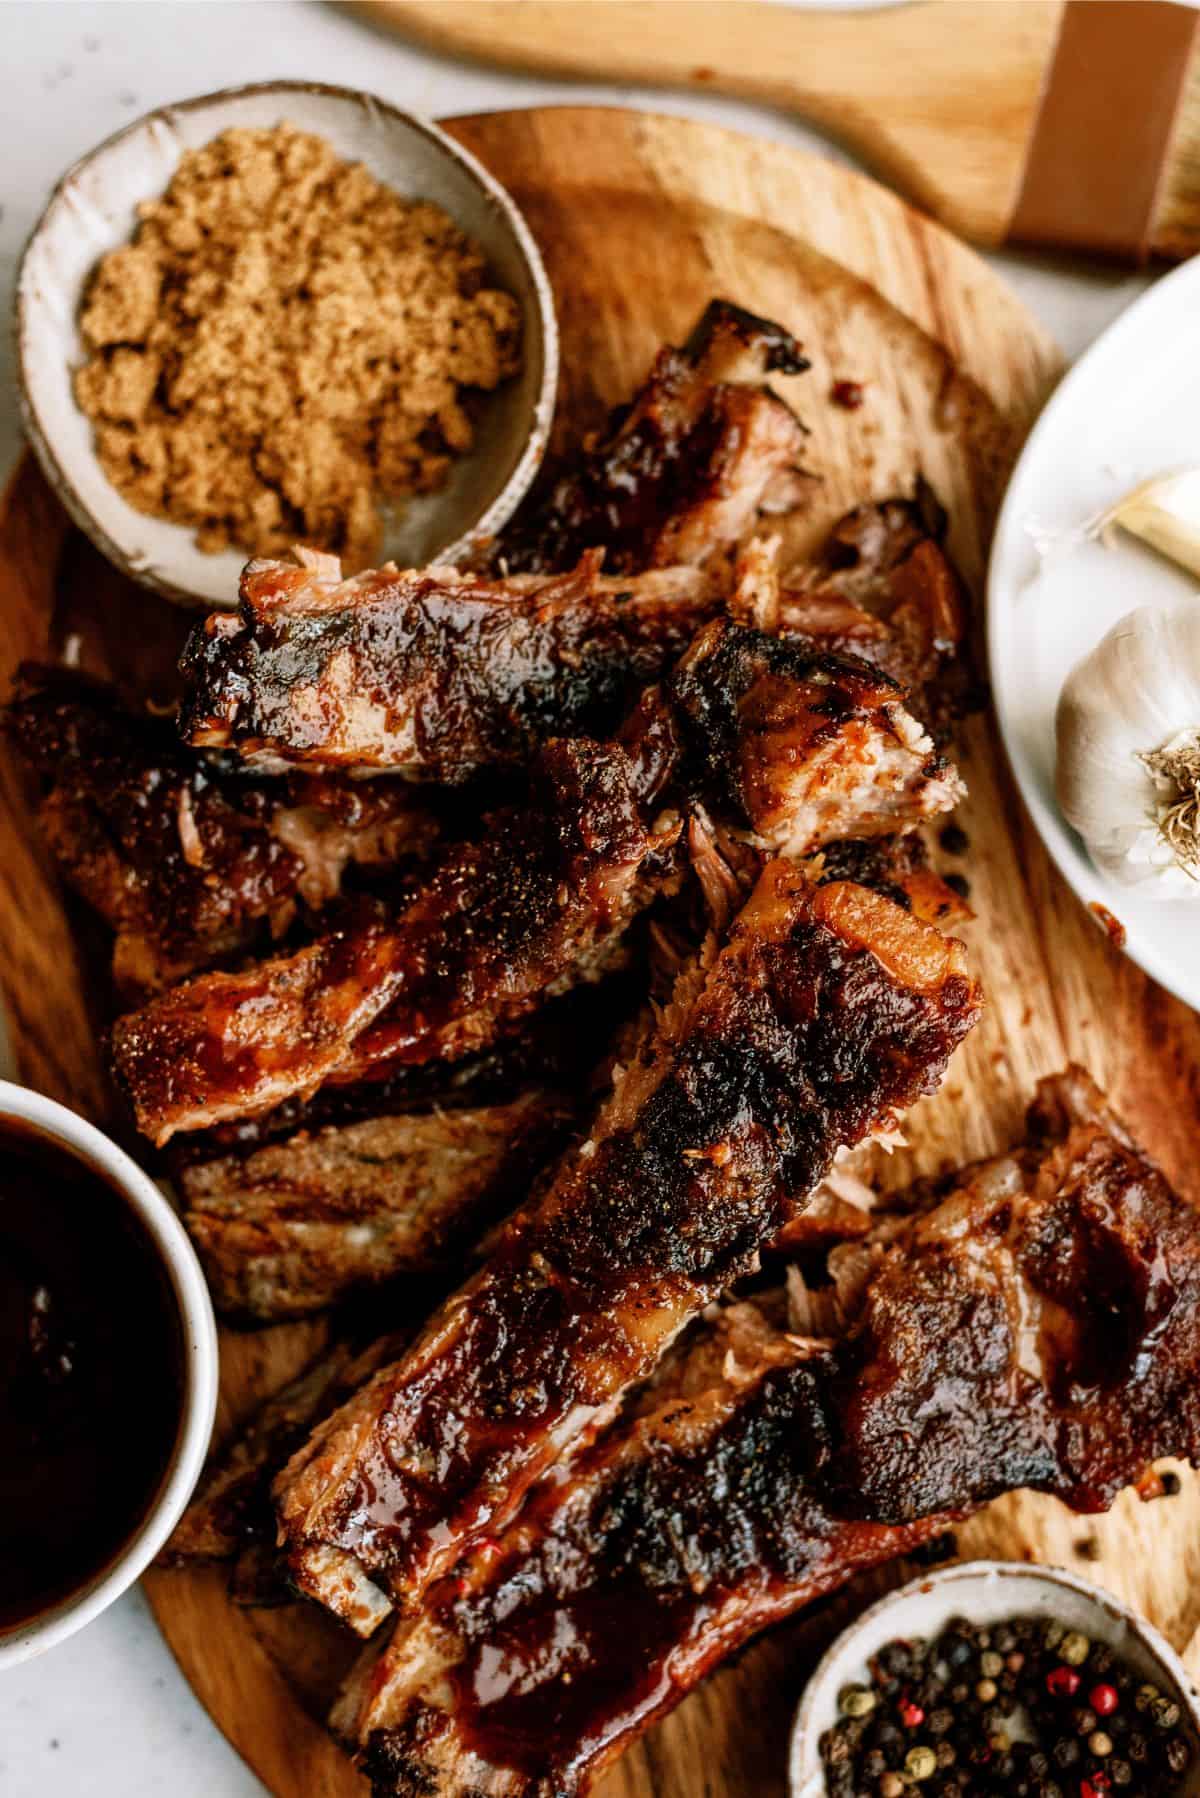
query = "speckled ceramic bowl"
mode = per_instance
[
  {"x": 92, "y": 210},
  {"x": 985, "y": 1592}
]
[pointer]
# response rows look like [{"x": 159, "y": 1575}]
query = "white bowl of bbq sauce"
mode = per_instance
[
  {"x": 985, "y": 1593},
  {"x": 108, "y": 1372}
]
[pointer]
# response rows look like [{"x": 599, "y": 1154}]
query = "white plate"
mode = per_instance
[{"x": 1129, "y": 409}]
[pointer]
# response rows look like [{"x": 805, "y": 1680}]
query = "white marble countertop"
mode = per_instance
[{"x": 109, "y": 1713}]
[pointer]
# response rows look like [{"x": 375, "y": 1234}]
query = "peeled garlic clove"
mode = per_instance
[{"x": 1165, "y": 513}]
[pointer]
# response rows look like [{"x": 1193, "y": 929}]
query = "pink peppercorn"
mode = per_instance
[
  {"x": 1103, "y": 1700},
  {"x": 1062, "y": 1682}
]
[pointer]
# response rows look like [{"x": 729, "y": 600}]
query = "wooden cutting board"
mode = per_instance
[{"x": 641, "y": 220}]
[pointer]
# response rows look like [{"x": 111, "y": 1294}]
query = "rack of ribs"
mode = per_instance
[
  {"x": 827, "y": 1011},
  {"x": 189, "y": 859},
  {"x": 731, "y": 1496},
  {"x": 293, "y": 1211},
  {"x": 231, "y": 1512},
  {"x": 815, "y": 747},
  {"x": 682, "y": 473}
]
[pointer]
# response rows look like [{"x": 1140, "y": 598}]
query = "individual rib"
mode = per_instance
[
  {"x": 435, "y": 674},
  {"x": 295, "y": 1225},
  {"x": 1098, "y": 1260},
  {"x": 428, "y": 673},
  {"x": 826, "y": 1013},
  {"x": 189, "y": 859},
  {"x": 685, "y": 471}
]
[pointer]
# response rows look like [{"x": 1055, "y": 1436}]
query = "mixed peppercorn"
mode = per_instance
[{"x": 1023, "y": 1709}]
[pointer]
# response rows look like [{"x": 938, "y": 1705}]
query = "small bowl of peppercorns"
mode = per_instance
[{"x": 994, "y": 1678}]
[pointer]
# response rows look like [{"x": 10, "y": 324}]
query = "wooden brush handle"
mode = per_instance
[{"x": 1051, "y": 121}]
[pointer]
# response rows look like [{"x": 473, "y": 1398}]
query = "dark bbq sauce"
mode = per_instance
[{"x": 91, "y": 1373}]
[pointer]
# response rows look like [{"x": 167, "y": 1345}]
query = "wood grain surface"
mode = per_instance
[
  {"x": 953, "y": 133},
  {"x": 643, "y": 219},
  {"x": 954, "y": 102}
]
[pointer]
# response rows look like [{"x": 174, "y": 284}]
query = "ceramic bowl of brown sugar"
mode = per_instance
[{"x": 281, "y": 314}]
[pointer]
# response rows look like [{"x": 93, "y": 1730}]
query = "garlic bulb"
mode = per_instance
[
  {"x": 1128, "y": 770},
  {"x": 1165, "y": 513}
]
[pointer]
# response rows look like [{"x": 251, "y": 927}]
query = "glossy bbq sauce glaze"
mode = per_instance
[{"x": 91, "y": 1373}]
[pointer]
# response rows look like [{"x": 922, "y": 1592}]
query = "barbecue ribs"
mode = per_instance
[
  {"x": 826, "y": 1013},
  {"x": 437, "y": 674},
  {"x": 684, "y": 471},
  {"x": 811, "y": 747},
  {"x": 535, "y": 905},
  {"x": 187, "y": 858},
  {"x": 720, "y": 1505},
  {"x": 295, "y": 1225},
  {"x": 1098, "y": 1260},
  {"x": 432, "y": 673}
]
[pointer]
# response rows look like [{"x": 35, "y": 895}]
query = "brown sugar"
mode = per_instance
[{"x": 284, "y": 345}]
